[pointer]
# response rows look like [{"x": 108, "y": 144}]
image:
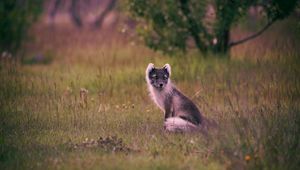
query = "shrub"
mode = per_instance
[{"x": 15, "y": 18}]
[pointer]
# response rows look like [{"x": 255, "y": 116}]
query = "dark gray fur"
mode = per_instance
[
  {"x": 192, "y": 113},
  {"x": 175, "y": 104}
]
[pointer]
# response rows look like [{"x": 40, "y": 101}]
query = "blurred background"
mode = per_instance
[{"x": 228, "y": 28}]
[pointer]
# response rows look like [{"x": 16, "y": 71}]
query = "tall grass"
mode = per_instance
[{"x": 255, "y": 102}]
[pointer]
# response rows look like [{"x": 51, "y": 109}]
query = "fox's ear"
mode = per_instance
[
  {"x": 149, "y": 68},
  {"x": 168, "y": 68}
]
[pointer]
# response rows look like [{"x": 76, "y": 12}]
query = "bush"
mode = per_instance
[
  {"x": 169, "y": 25},
  {"x": 15, "y": 18}
]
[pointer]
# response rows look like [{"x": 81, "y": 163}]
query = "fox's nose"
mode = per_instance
[{"x": 161, "y": 85}]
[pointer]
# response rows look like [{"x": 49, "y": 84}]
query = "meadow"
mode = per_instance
[{"x": 78, "y": 100}]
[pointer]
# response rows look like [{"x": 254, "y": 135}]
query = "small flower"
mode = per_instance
[
  {"x": 132, "y": 43},
  {"x": 123, "y": 30},
  {"x": 68, "y": 91},
  {"x": 83, "y": 90},
  {"x": 215, "y": 41},
  {"x": 247, "y": 158},
  {"x": 83, "y": 97}
]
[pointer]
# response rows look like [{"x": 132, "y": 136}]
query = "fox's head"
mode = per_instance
[{"x": 158, "y": 77}]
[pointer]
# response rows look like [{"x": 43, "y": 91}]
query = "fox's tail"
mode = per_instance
[{"x": 176, "y": 124}]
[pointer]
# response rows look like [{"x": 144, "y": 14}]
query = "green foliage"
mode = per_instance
[
  {"x": 169, "y": 25},
  {"x": 15, "y": 18},
  {"x": 228, "y": 12},
  {"x": 279, "y": 9}
]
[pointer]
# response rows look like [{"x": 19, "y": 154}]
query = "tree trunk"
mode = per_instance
[
  {"x": 193, "y": 26},
  {"x": 99, "y": 20},
  {"x": 74, "y": 11},
  {"x": 221, "y": 45},
  {"x": 56, "y": 5}
]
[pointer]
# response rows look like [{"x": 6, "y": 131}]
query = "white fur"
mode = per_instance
[
  {"x": 159, "y": 96},
  {"x": 149, "y": 68},
  {"x": 168, "y": 67},
  {"x": 176, "y": 124}
]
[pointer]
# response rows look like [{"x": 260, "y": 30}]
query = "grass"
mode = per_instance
[{"x": 254, "y": 101}]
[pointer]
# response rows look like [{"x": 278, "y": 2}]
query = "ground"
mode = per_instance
[{"x": 253, "y": 97}]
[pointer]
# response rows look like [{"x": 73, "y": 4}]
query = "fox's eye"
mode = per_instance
[
  {"x": 154, "y": 76},
  {"x": 165, "y": 76}
]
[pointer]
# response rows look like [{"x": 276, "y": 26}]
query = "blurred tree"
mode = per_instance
[
  {"x": 169, "y": 25},
  {"x": 99, "y": 20},
  {"x": 79, "y": 9},
  {"x": 53, "y": 11},
  {"x": 15, "y": 18},
  {"x": 74, "y": 11}
]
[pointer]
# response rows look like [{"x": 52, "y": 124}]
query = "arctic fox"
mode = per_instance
[{"x": 181, "y": 114}]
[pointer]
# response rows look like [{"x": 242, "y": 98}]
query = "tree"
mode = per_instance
[
  {"x": 168, "y": 25},
  {"x": 74, "y": 11},
  {"x": 15, "y": 18},
  {"x": 78, "y": 9},
  {"x": 99, "y": 20}
]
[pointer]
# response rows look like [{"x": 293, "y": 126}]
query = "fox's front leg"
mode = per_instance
[
  {"x": 168, "y": 114},
  {"x": 168, "y": 109}
]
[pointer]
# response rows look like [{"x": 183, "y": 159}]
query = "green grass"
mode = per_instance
[{"x": 254, "y": 102}]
